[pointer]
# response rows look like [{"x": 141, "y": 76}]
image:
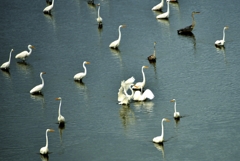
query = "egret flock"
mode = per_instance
[{"x": 137, "y": 90}]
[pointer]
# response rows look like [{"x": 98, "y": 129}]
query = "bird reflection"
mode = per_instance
[
  {"x": 6, "y": 73},
  {"x": 127, "y": 116},
  {"x": 190, "y": 36},
  {"x": 25, "y": 67},
  {"x": 80, "y": 84},
  {"x": 160, "y": 147},
  {"x": 38, "y": 98},
  {"x": 116, "y": 53},
  {"x": 221, "y": 50},
  {"x": 61, "y": 128},
  {"x": 146, "y": 105},
  {"x": 44, "y": 157},
  {"x": 164, "y": 21}
]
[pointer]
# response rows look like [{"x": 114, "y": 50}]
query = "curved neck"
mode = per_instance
[
  {"x": 168, "y": 10},
  {"x": 193, "y": 21},
  {"x": 224, "y": 34},
  {"x": 175, "y": 108},
  {"x": 42, "y": 79},
  {"x": 59, "y": 109},
  {"x": 30, "y": 51},
  {"x": 162, "y": 129},
  {"x": 52, "y": 3},
  {"x": 144, "y": 80},
  {"x": 46, "y": 140},
  {"x": 85, "y": 69},
  {"x": 10, "y": 56},
  {"x": 119, "y": 37},
  {"x": 98, "y": 11}
]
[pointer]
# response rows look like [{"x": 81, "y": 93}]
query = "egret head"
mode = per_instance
[
  {"x": 173, "y": 100},
  {"x": 86, "y": 62},
  {"x": 59, "y": 98},
  {"x": 30, "y": 46},
  {"x": 43, "y": 72},
  {"x": 145, "y": 66},
  {"x": 165, "y": 119},
  {"x": 123, "y": 26},
  {"x": 50, "y": 130},
  {"x": 225, "y": 27}
]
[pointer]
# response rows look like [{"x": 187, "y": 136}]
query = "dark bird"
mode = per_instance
[
  {"x": 152, "y": 58},
  {"x": 188, "y": 29}
]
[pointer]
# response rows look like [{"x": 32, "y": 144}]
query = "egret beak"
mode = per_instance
[
  {"x": 32, "y": 47},
  {"x": 172, "y": 100},
  {"x": 145, "y": 67},
  {"x": 51, "y": 130},
  {"x": 123, "y": 26},
  {"x": 167, "y": 120},
  {"x": 43, "y": 72},
  {"x": 58, "y": 98},
  {"x": 87, "y": 62}
]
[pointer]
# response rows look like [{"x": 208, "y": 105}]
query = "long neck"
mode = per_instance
[
  {"x": 175, "y": 108},
  {"x": 52, "y": 3},
  {"x": 10, "y": 56},
  {"x": 119, "y": 37},
  {"x": 193, "y": 21},
  {"x": 144, "y": 80},
  {"x": 132, "y": 92},
  {"x": 99, "y": 11},
  {"x": 85, "y": 69},
  {"x": 30, "y": 51},
  {"x": 59, "y": 109},
  {"x": 154, "y": 52},
  {"x": 162, "y": 129},
  {"x": 46, "y": 140},
  {"x": 42, "y": 79},
  {"x": 224, "y": 34},
  {"x": 168, "y": 10}
]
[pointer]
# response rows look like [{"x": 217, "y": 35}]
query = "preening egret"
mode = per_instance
[
  {"x": 24, "y": 54},
  {"x": 139, "y": 96},
  {"x": 188, "y": 29},
  {"x": 166, "y": 14},
  {"x": 152, "y": 58},
  {"x": 176, "y": 114},
  {"x": 158, "y": 6},
  {"x": 124, "y": 86},
  {"x": 38, "y": 88},
  {"x": 48, "y": 9},
  {"x": 80, "y": 76},
  {"x": 160, "y": 139},
  {"x": 61, "y": 119},
  {"x": 116, "y": 43},
  {"x": 7, "y": 64},
  {"x": 44, "y": 150},
  {"x": 140, "y": 85},
  {"x": 99, "y": 19},
  {"x": 127, "y": 98},
  {"x": 221, "y": 42}
]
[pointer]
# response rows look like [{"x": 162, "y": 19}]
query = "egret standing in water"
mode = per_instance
[
  {"x": 140, "y": 85},
  {"x": 7, "y": 64},
  {"x": 38, "y": 88},
  {"x": 61, "y": 119},
  {"x": 99, "y": 19},
  {"x": 160, "y": 139},
  {"x": 176, "y": 114},
  {"x": 158, "y": 6},
  {"x": 116, "y": 43},
  {"x": 24, "y": 54},
  {"x": 80, "y": 76},
  {"x": 166, "y": 14},
  {"x": 44, "y": 150},
  {"x": 48, "y": 9},
  {"x": 220, "y": 43},
  {"x": 152, "y": 58},
  {"x": 188, "y": 29}
]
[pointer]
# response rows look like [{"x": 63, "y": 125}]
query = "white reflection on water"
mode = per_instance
[
  {"x": 144, "y": 106},
  {"x": 221, "y": 50},
  {"x": 6, "y": 74},
  {"x": 44, "y": 157},
  {"x": 24, "y": 67},
  {"x": 160, "y": 147},
  {"x": 127, "y": 116},
  {"x": 38, "y": 98}
]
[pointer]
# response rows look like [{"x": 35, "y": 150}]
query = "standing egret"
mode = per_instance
[
  {"x": 48, "y": 9},
  {"x": 221, "y": 42},
  {"x": 116, "y": 43},
  {"x": 176, "y": 114},
  {"x": 139, "y": 96},
  {"x": 152, "y": 58},
  {"x": 140, "y": 85},
  {"x": 160, "y": 139},
  {"x": 61, "y": 119},
  {"x": 7, "y": 64},
  {"x": 124, "y": 86},
  {"x": 24, "y": 54},
  {"x": 38, "y": 88},
  {"x": 80, "y": 76},
  {"x": 158, "y": 6},
  {"x": 166, "y": 14},
  {"x": 188, "y": 29},
  {"x": 99, "y": 19},
  {"x": 44, "y": 150}
]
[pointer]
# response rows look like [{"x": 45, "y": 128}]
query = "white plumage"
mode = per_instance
[
  {"x": 61, "y": 119},
  {"x": 221, "y": 42},
  {"x": 176, "y": 114},
  {"x": 166, "y": 14},
  {"x": 44, "y": 150},
  {"x": 158, "y": 6},
  {"x": 7, "y": 64},
  {"x": 48, "y": 8},
  {"x": 116, "y": 43},
  {"x": 160, "y": 139},
  {"x": 140, "y": 85},
  {"x": 81, "y": 75},
  {"x": 38, "y": 88},
  {"x": 24, "y": 54},
  {"x": 139, "y": 96}
]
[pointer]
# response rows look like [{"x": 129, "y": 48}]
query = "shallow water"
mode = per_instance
[{"x": 202, "y": 78}]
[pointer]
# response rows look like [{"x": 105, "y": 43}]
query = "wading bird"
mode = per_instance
[
  {"x": 219, "y": 43},
  {"x": 116, "y": 43},
  {"x": 44, "y": 150},
  {"x": 188, "y": 29},
  {"x": 61, "y": 119},
  {"x": 38, "y": 88},
  {"x": 160, "y": 139},
  {"x": 24, "y": 54},
  {"x": 152, "y": 58},
  {"x": 140, "y": 85},
  {"x": 6, "y": 65},
  {"x": 166, "y": 14},
  {"x": 48, "y": 9},
  {"x": 81, "y": 75},
  {"x": 176, "y": 114},
  {"x": 99, "y": 19}
]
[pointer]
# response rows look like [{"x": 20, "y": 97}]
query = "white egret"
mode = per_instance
[
  {"x": 139, "y": 96},
  {"x": 116, "y": 43},
  {"x": 99, "y": 19},
  {"x": 48, "y": 9},
  {"x": 152, "y": 58},
  {"x": 61, "y": 119},
  {"x": 38, "y": 88},
  {"x": 7, "y": 64},
  {"x": 158, "y": 6},
  {"x": 188, "y": 29},
  {"x": 140, "y": 85},
  {"x": 81, "y": 75},
  {"x": 176, "y": 114},
  {"x": 124, "y": 86},
  {"x": 44, "y": 150},
  {"x": 160, "y": 139},
  {"x": 166, "y": 14},
  {"x": 221, "y": 42},
  {"x": 24, "y": 54},
  {"x": 127, "y": 98}
]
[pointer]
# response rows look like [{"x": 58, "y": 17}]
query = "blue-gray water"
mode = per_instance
[{"x": 203, "y": 79}]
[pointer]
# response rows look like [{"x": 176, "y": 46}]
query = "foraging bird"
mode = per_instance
[
  {"x": 99, "y": 19},
  {"x": 176, "y": 114},
  {"x": 61, "y": 119},
  {"x": 48, "y": 9},
  {"x": 152, "y": 58},
  {"x": 139, "y": 96},
  {"x": 158, "y": 6},
  {"x": 80, "y": 76},
  {"x": 166, "y": 14},
  {"x": 44, "y": 150},
  {"x": 7, "y": 64},
  {"x": 160, "y": 139},
  {"x": 221, "y": 42},
  {"x": 188, "y": 29},
  {"x": 116, "y": 43},
  {"x": 38, "y": 88},
  {"x": 140, "y": 85},
  {"x": 24, "y": 54}
]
